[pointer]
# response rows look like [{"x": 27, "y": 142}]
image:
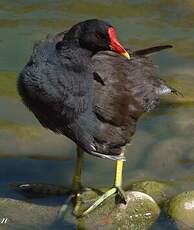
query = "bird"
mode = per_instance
[{"x": 82, "y": 83}]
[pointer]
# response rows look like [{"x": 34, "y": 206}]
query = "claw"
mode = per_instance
[
  {"x": 121, "y": 196},
  {"x": 77, "y": 205}
]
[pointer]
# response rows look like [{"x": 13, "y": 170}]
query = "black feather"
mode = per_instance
[
  {"x": 98, "y": 78},
  {"x": 93, "y": 97},
  {"x": 150, "y": 50}
]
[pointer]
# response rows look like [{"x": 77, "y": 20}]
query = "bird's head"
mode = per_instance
[{"x": 96, "y": 35}]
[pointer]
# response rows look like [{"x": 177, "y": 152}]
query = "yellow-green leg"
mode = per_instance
[
  {"x": 76, "y": 183},
  {"x": 76, "y": 186},
  {"x": 115, "y": 190}
]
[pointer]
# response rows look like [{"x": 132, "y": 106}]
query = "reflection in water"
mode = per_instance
[{"x": 163, "y": 146}]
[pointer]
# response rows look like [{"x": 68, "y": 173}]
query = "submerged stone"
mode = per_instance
[
  {"x": 181, "y": 210},
  {"x": 164, "y": 158},
  {"x": 39, "y": 190}
]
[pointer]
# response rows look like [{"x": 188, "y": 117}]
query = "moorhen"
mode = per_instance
[{"x": 82, "y": 83}]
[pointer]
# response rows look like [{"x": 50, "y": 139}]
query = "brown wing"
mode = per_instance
[{"x": 123, "y": 90}]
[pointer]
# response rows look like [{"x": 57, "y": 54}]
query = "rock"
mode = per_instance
[
  {"x": 158, "y": 190},
  {"x": 25, "y": 215},
  {"x": 181, "y": 210},
  {"x": 140, "y": 212}
]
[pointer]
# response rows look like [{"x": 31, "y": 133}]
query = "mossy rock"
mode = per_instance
[
  {"x": 181, "y": 210},
  {"x": 160, "y": 191},
  {"x": 140, "y": 212}
]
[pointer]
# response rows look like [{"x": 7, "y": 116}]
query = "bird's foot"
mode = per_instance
[
  {"x": 76, "y": 197},
  {"x": 119, "y": 195}
]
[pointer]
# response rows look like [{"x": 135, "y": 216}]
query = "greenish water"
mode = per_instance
[{"x": 163, "y": 146}]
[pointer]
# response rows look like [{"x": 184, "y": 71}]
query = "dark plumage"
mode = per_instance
[{"x": 75, "y": 85}]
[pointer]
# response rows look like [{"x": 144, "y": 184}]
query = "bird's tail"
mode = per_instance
[
  {"x": 164, "y": 88},
  {"x": 150, "y": 50}
]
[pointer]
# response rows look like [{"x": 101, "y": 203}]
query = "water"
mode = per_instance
[{"x": 163, "y": 146}]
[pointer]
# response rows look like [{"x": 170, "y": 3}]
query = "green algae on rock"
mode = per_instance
[{"x": 181, "y": 210}]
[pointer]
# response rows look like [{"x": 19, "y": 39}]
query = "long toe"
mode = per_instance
[{"x": 100, "y": 200}]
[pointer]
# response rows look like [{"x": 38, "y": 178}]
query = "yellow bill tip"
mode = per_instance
[{"x": 126, "y": 54}]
